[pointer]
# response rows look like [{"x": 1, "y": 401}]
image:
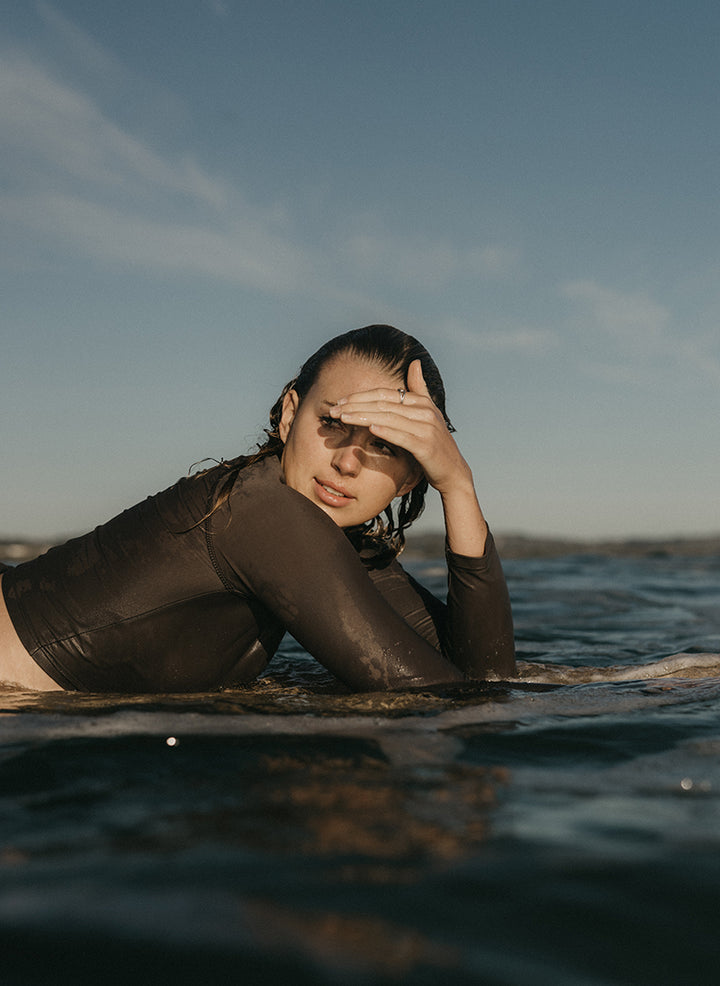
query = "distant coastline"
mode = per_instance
[
  {"x": 431, "y": 545},
  {"x": 16, "y": 550},
  {"x": 529, "y": 546}
]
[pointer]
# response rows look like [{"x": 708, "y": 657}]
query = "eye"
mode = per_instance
[
  {"x": 327, "y": 422},
  {"x": 382, "y": 448}
]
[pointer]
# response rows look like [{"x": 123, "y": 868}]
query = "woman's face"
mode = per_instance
[{"x": 344, "y": 470}]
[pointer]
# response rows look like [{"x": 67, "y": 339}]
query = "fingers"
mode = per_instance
[
  {"x": 404, "y": 396},
  {"x": 381, "y": 410},
  {"x": 413, "y": 427},
  {"x": 416, "y": 380},
  {"x": 388, "y": 398},
  {"x": 406, "y": 417}
]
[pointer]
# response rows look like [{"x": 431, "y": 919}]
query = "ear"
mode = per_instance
[{"x": 291, "y": 402}]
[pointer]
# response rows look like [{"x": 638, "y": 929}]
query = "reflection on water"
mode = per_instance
[
  {"x": 329, "y": 818},
  {"x": 349, "y": 944},
  {"x": 309, "y": 795}
]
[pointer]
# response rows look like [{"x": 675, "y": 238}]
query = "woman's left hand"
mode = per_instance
[{"x": 413, "y": 422}]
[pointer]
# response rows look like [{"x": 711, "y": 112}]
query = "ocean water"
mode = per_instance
[{"x": 560, "y": 829}]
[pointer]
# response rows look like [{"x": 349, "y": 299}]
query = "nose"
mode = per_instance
[{"x": 346, "y": 458}]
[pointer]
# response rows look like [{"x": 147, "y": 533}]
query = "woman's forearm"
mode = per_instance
[{"x": 465, "y": 525}]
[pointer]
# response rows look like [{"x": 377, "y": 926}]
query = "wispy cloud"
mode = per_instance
[
  {"x": 636, "y": 337},
  {"x": 632, "y": 317},
  {"x": 81, "y": 49},
  {"x": 509, "y": 337},
  {"x": 218, "y": 7},
  {"x": 118, "y": 199},
  {"x": 425, "y": 263},
  {"x": 77, "y": 176},
  {"x": 50, "y": 127},
  {"x": 251, "y": 256}
]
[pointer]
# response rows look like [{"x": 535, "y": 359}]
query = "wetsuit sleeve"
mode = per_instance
[
  {"x": 280, "y": 548},
  {"x": 474, "y": 628},
  {"x": 479, "y": 629}
]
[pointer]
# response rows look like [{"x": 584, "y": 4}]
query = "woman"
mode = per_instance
[{"x": 194, "y": 588}]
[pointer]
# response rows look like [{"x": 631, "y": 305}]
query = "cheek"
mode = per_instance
[
  {"x": 389, "y": 485},
  {"x": 298, "y": 455},
  {"x": 288, "y": 461},
  {"x": 406, "y": 473}
]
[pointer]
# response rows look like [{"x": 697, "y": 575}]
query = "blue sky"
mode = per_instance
[{"x": 195, "y": 194}]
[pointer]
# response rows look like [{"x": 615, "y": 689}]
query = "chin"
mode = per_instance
[{"x": 341, "y": 521}]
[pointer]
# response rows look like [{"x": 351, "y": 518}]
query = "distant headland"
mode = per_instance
[
  {"x": 531, "y": 546},
  {"x": 431, "y": 545}
]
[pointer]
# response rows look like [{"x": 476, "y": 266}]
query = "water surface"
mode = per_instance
[{"x": 562, "y": 829}]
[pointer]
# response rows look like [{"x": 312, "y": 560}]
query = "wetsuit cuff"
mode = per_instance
[{"x": 473, "y": 563}]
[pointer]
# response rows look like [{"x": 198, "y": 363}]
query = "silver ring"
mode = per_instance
[{"x": 402, "y": 394}]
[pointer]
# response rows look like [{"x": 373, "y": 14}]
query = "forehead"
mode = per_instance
[{"x": 345, "y": 375}]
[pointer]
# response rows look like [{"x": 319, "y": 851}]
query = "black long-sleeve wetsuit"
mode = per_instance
[{"x": 163, "y": 598}]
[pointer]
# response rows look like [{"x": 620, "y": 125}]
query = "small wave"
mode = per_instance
[{"x": 676, "y": 665}]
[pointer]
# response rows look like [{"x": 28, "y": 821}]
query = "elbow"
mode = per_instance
[
  {"x": 501, "y": 661},
  {"x": 504, "y": 665},
  {"x": 496, "y": 663}
]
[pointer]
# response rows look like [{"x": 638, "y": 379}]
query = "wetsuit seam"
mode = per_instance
[{"x": 227, "y": 585}]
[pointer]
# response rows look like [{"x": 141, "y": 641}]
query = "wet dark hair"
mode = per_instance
[{"x": 394, "y": 351}]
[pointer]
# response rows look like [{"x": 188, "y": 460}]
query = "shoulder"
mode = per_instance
[
  {"x": 261, "y": 483},
  {"x": 271, "y": 537},
  {"x": 260, "y": 495},
  {"x": 265, "y": 474}
]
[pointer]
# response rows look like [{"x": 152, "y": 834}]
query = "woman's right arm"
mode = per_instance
[{"x": 284, "y": 551}]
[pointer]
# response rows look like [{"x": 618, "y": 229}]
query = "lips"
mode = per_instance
[{"x": 332, "y": 495}]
